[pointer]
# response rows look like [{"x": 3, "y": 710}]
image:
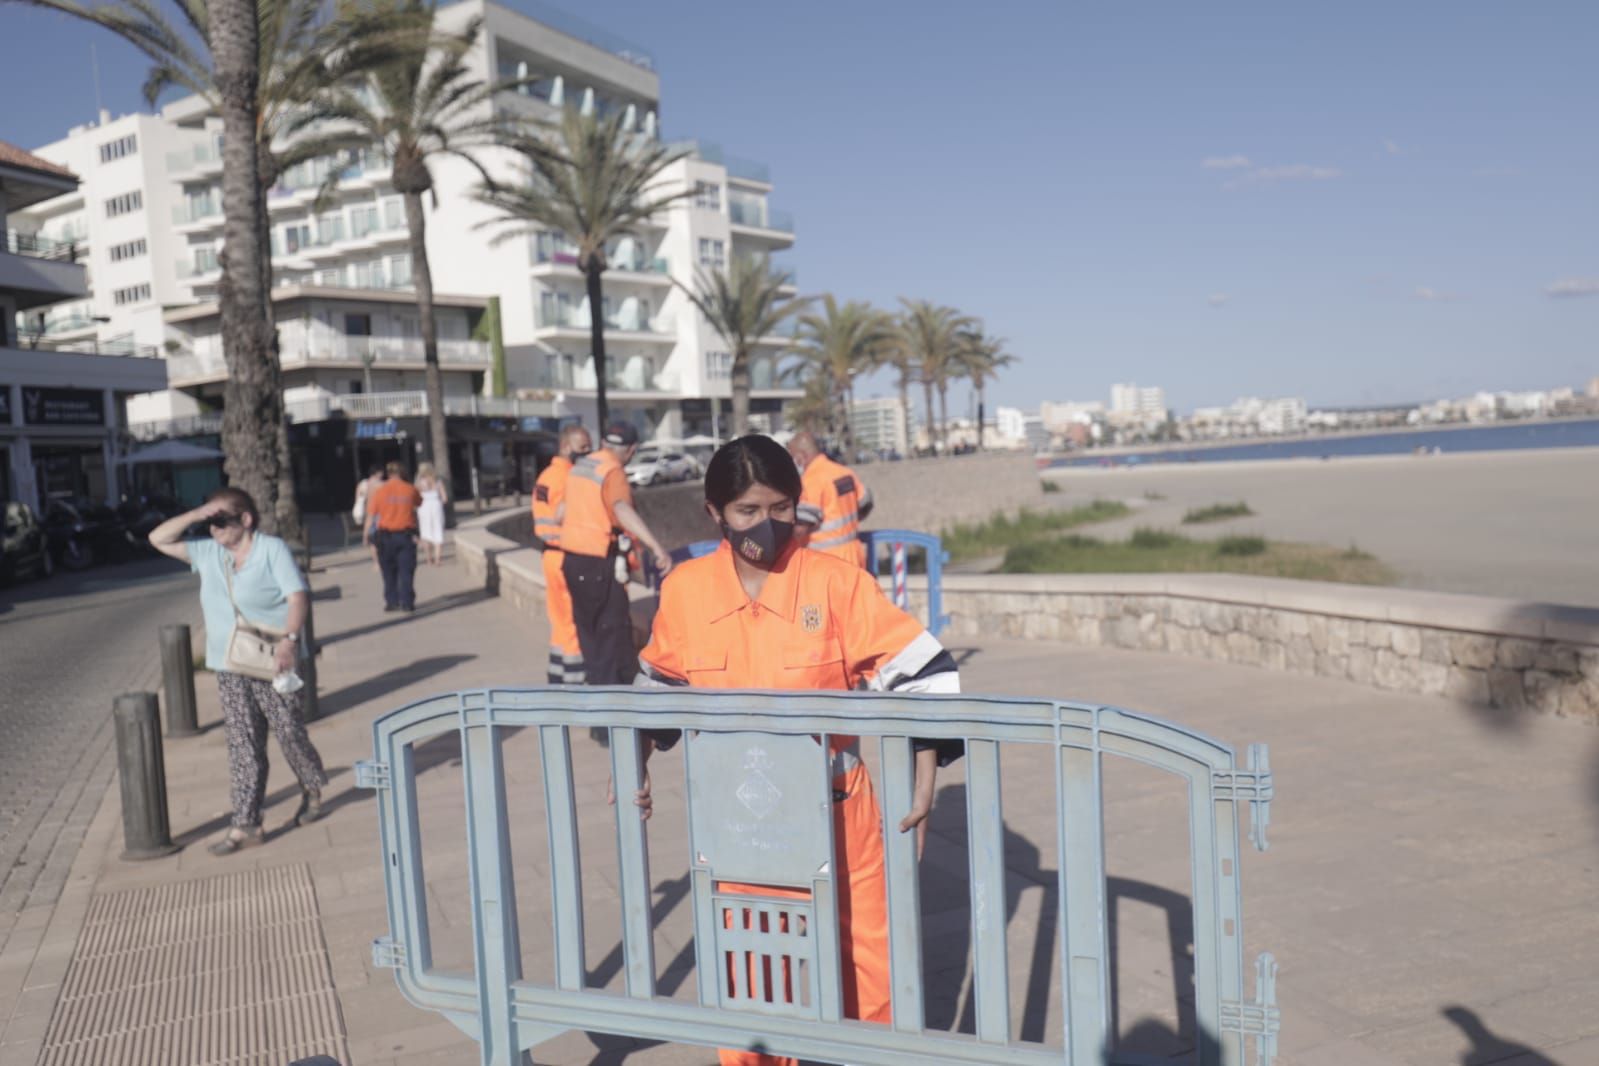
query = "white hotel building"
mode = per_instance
[{"x": 148, "y": 215}]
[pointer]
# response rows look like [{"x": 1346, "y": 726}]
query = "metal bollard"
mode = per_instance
[
  {"x": 146, "y": 833},
  {"x": 311, "y": 708},
  {"x": 177, "y": 681}
]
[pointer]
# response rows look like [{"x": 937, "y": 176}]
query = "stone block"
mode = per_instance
[
  {"x": 1124, "y": 632},
  {"x": 1151, "y": 631},
  {"x": 1556, "y": 658},
  {"x": 1391, "y": 671},
  {"x": 1330, "y": 665},
  {"x": 1362, "y": 663},
  {"x": 1514, "y": 654},
  {"x": 1379, "y": 635},
  {"x": 1300, "y": 656},
  {"x": 1272, "y": 626},
  {"x": 1338, "y": 636},
  {"x": 1543, "y": 690},
  {"x": 1317, "y": 628},
  {"x": 1357, "y": 631},
  {"x": 1243, "y": 648},
  {"x": 1431, "y": 678},
  {"x": 1087, "y": 632},
  {"x": 1468, "y": 684},
  {"x": 1406, "y": 641},
  {"x": 1580, "y": 701},
  {"x": 1298, "y": 623},
  {"x": 1084, "y": 606},
  {"x": 1435, "y": 647},
  {"x": 1504, "y": 688},
  {"x": 1184, "y": 613},
  {"x": 1472, "y": 650},
  {"x": 1273, "y": 656},
  {"x": 1218, "y": 618}
]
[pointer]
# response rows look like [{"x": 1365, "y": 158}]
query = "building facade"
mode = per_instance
[
  {"x": 878, "y": 425},
  {"x": 668, "y": 372},
  {"x": 62, "y": 403}
]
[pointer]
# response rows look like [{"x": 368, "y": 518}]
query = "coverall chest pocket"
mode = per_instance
[
  {"x": 813, "y": 662},
  {"x": 707, "y": 667}
]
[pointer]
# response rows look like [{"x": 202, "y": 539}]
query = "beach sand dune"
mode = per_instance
[{"x": 1522, "y": 525}]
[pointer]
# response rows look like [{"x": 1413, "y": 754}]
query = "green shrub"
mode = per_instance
[
  {"x": 1052, "y": 486},
  {"x": 1240, "y": 545},
  {"x": 1154, "y": 539},
  {"x": 1216, "y": 512}
]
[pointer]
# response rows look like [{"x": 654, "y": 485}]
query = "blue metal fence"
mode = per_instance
[{"x": 789, "y": 838}]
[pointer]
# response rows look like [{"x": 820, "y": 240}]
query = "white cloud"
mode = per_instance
[
  {"x": 1290, "y": 172},
  {"x": 1574, "y": 287},
  {"x": 1392, "y": 147},
  {"x": 1225, "y": 162},
  {"x": 1217, "y": 299},
  {"x": 1430, "y": 295}
]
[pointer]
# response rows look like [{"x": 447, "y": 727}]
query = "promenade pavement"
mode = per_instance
[{"x": 1428, "y": 891}]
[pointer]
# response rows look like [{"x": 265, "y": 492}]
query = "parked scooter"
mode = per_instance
[{"x": 82, "y": 533}]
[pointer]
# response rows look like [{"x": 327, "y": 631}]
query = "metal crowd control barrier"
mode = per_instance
[
  {"x": 898, "y": 541},
  {"x": 759, "y": 758}
]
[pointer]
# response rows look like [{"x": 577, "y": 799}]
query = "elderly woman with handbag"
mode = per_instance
[{"x": 254, "y": 602}]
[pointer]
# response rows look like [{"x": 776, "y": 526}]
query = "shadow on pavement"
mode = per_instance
[
  {"x": 1487, "y": 1048},
  {"x": 393, "y": 680},
  {"x": 432, "y": 607},
  {"x": 221, "y": 822}
]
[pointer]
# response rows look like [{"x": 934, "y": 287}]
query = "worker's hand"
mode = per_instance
[
  {"x": 641, "y": 798},
  {"x": 921, "y": 798},
  {"x": 663, "y": 560}
]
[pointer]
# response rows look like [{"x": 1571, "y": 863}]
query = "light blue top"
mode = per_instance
[{"x": 261, "y": 587}]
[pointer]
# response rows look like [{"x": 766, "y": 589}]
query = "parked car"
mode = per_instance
[
  {"x": 82, "y": 532},
  {"x": 653, "y": 466},
  {"x": 24, "y": 548}
]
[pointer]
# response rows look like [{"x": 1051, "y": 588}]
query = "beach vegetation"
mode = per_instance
[
  {"x": 1217, "y": 512},
  {"x": 1005, "y": 531},
  {"x": 1160, "y": 551}
]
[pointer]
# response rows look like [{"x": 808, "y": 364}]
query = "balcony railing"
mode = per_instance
[
  {"x": 206, "y": 360},
  {"x": 192, "y": 426},
  {"x": 411, "y": 405},
  {"x": 744, "y": 214},
  {"x": 35, "y": 246},
  {"x": 119, "y": 346},
  {"x": 625, "y": 321},
  {"x": 736, "y": 166},
  {"x": 197, "y": 211},
  {"x": 199, "y": 155},
  {"x": 622, "y": 374}
]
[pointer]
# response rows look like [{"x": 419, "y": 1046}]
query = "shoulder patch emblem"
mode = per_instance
[
  {"x": 541, "y": 493},
  {"x": 845, "y": 485},
  {"x": 811, "y": 618}
]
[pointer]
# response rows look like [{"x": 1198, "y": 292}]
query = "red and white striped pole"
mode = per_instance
[{"x": 902, "y": 598}]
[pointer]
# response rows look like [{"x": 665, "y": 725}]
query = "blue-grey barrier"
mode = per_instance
[
  {"x": 898, "y": 540},
  {"x": 509, "y": 1012}
]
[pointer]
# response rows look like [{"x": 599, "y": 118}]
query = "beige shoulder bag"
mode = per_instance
[{"x": 253, "y": 647}]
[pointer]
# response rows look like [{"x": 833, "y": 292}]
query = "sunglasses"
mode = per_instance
[{"x": 222, "y": 521}]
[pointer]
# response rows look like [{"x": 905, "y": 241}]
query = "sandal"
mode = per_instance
[
  {"x": 231, "y": 843},
  {"x": 310, "y": 807}
]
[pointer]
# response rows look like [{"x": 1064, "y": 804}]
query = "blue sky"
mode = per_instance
[{"x": 1354, "y": 203}]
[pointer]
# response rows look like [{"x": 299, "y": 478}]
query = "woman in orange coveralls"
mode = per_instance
[{"x": 763, "y": 612}]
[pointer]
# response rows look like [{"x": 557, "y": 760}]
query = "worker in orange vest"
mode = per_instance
[
  {"x": 764, "y": 612},
  {"x": 549, "y": 492},
  {"x": 598, "y": 506},
  {"x": 834, "y": 503},
  {"x": 392, "y": 507}
]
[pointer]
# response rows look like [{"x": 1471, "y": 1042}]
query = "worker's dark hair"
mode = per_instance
[
  {"x": 239, "y": 501},
  {"x": 740, "y": 463}
]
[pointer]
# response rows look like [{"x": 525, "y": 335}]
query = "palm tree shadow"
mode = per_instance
[
  {"x": 1487, "y": 1048},
  {"x": 948, "y": 953}
]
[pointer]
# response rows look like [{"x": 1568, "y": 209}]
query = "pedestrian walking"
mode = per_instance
[
  {"x": 393, "y": 506},
  {"x": 764, "y": 612},
  {"x": 549, "y": 494},
  {"x": 359, "y": 512},
  {"x": 599, "y": 506},
  {"x": 249, "y": 580},
  {"x": 430, "y": 516},
  {"x": 833, "y": 504}
]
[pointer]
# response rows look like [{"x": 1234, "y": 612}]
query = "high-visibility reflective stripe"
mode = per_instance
[
  {"x": 846, "y": 519},
  {"x": 808, "y": 514},
  {"x": 833, "y": 542},
  {"x": 909, "y": 662}
]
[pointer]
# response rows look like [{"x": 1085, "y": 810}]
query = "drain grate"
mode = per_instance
[{"x": 225, "y": 971}]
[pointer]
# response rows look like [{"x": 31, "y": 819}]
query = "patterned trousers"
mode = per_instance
[{"x": 248, "y": 707}]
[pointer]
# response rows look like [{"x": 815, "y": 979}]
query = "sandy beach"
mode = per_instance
[{"x": 1522, "y": 525}]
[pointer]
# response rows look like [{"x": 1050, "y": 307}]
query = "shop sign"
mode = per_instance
[
  {"x": 384, "y": 430},
  {"x": 62, "y": 407}
]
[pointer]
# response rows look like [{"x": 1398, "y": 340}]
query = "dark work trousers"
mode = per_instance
[
  {"x": 397, "y": 558},
  {"x": 599, "y": 610}
]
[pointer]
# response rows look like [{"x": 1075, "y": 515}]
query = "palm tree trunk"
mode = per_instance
[
  {"x": 739, "y": 379},
  {"x": 287, "y": 513},
  {"x": 905, "y": 406},
  {"x": 253, "y": 405},
  {"x": 932, "y": 423},
  {"x": 422, "y": 278},
  {"x": 943, "y": 413},
  {"x": 596, "y": 293},
  {"x": 980, "y": 405},
  {"x": 849, "y": 419}
]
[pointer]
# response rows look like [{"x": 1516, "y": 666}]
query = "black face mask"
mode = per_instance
[{"x": 760, "y": 544}]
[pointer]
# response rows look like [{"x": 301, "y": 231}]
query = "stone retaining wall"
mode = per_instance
[{"x": 1498, "y": 653}]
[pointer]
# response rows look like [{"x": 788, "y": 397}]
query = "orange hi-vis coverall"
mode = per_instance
[
  {"x": 820, "y": 623},
  {"x": 830, "y": 510},
  {"x": 566, "y": 656}
]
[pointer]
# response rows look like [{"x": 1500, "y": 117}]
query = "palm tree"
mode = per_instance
[
  {"x": 254, "y": 59},
  {"x": 593, "y": 182},
  {"x": 411, "y": 92},
  {"x": 839, "y": 343},
  {"x": 744, "y": 305},
  {"x": 930, "y": 337},
  {"x": 815, "y": 410},
  {"x": 981, "y": 356}
]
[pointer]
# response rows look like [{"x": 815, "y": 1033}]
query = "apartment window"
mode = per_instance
[
  {"x": 333, "y": 279},
  {"x": 117, "y": 149},
  {"x": 394, "y": 213},
  {"x": 128, "y": 250},
  {"x": 131, "y": 295},
  {"x": 400, "y": 270},
  {"x": 329, "y": 228},
  {"x": 708, "y": 194},
  {"x": 296, "y": 237},
  {"x": 713, "y": 253},
  {"x": 718, "y": 364},
  {"x": 121, "y": 205},
  {"x": 205, "y": 259},
  {"x": 358, "y": 325},
  {"x": 364, "y": 220}
]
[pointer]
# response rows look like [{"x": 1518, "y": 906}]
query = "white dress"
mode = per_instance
[{"x": 430, "y": 517}]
